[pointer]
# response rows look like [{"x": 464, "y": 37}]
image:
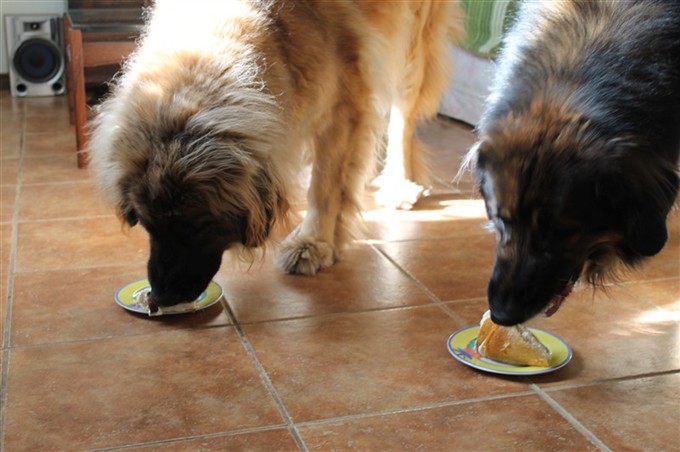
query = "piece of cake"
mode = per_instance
[
  {"x": 154, "y": 310},
  {"x": 512, "y": 345}
]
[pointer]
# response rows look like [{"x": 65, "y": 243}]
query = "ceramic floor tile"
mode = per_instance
[
  {"x": 640, "y": 414},
  {"x": 664, "y": 265},
  {"x": 517, "y": 423},
  {"x": 55, "y": 125},
  {"x": 53, "y": 168},
  {"x": 112, "y": 393},
  {"x": 356, "y": 339},
  {"x": 269, "y": 440},
  {"x": 41, "y": 144},
  {"x": 11, "y": 105},
  {"x": 5, "y": 253},
  {"x": 3, "y": 308},
  {"x": 363, "y": 279},
  {"x": 9, "y": 171},
  {"x": 10, "y": 144},
  {"x": 41, "y": 113},
  {"x": 45, "y": 105},
  {"x": 453, "y": 269},
  {"x": 11, "y": 124},
  {"x": 613, "y": 335},
  {"x": 5, "y": 245},
  {"x": 436, "y": 217},
  {"x": 83, "y": 303},
  {"x": 665, "y": 294},
  {"x": 7, "y": 201},
  {"x": 447, "y": 143},
  {"x": 77, "y": 199},
  {"x": 350, "y": 364},
  {"x": 69, "y": 244}
]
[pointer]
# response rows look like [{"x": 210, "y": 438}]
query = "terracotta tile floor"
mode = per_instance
[{"x": 353, "y": 358}]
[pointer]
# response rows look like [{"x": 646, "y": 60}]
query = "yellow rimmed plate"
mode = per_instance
[
  {"x": 131, "y": 297},
  {"x": 463, "y": 346}
]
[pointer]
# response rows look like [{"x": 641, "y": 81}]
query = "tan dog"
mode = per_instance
[{"x": 209, "y": 125}]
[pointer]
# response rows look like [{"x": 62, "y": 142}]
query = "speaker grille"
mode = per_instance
[{"x": 37, "y": 60}]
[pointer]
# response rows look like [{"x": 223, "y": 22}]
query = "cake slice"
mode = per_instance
[{"x": 512, "y": 345}]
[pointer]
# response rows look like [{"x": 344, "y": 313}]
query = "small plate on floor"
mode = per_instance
[
  {"x": 463, "y": 346},
  {"x": 133, "y": 297}
]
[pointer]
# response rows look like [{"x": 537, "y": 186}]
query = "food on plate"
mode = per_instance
[
  {"x": 512, "y": 345},
  {"x": 155, "y": 310}
]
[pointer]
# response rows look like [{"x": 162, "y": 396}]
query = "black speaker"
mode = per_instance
[{"x": 35, "y": 50}]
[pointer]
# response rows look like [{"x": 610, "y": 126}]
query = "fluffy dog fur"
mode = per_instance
[
  {"x": 213, "y": 117},
  {"x": 578, "y": 152}
]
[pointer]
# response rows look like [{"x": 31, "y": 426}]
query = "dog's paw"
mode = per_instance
[
  {"x": 305, "y": 257},
  {"x": 397, "y": 194}
]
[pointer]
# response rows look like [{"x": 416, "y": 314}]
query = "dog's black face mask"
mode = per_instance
[
  {"x": 183, "y": 260},
  {"x": 185, "y": 256},
  {"x": 556, "y": 224}
]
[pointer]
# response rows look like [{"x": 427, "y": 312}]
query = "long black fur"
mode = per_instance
[{"x": 579, "y": 144}]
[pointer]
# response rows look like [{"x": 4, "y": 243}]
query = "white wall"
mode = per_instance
[{"x": 25, "y": 7}]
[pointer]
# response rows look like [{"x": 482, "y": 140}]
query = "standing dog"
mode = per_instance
[
  {"x": 578, "y": 151},
  {"x": 215, "y": 114}
]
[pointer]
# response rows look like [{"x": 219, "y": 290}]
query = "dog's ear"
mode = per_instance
[
  {"x": 127, "y": 214},
  {"x": 640, "y": 199},
  {"x": 271, "y": 207},
  {"x": 484, "y": 153},
  {"x": 476, "y": 159},
  {"x": 480, "y": 154},
  {"x": 646, "y": 232},
  {"x": 124, "y": 209}
]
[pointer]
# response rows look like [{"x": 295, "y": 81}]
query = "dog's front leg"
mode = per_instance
[
  {"x": 344, "y": 154},
  {"x": 310, "y": 248}
]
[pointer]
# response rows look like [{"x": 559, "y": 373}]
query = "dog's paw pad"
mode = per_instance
[
  {"x": 305, "y": 257},
  {"x": 398, "y": 194}
]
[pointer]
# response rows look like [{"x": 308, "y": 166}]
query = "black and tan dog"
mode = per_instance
[{"x": 578, "y": 153}]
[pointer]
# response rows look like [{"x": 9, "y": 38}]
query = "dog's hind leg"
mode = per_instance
[
  {"x": 344, "y": 158},
  {"x": 406, "y": 172},
  {"x": 399, "y": 188}
]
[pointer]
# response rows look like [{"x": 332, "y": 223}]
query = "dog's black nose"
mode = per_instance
[{"x": 506, "y": 318}]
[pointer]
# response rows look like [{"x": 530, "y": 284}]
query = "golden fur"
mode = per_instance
[{"x": 214, "y": 115}]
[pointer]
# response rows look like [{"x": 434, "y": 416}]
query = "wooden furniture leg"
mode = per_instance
[
  {"x": 75, "y": 81},
  {"x": 69, "y": 68},
  {"x": 94, "y": 39},
  {"x": 79, "y": 99}
]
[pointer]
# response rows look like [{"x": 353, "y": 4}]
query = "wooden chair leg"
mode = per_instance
[
  {"x": 79, "y": 99},
  {"x": 68, "y": 29}
]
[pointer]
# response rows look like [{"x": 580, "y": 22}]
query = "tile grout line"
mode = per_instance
[
  {"x": 414, "y": 409},
  {"x": 436, "y": 301},
  {"x": 74, "y": 269},
  {"x": 166, "y": 442},
  {"x": 250, "y": 350},
  {"x": 590, "y": 436},
  {"x": 7, "y": 332},
  {"x": 613, "y": 380},
  {"x": 65, "y": 219},
  {"x": 332, "y": 420},
  {"x": 92, "y": 339},
  {"x": 339, "y": 313}
]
